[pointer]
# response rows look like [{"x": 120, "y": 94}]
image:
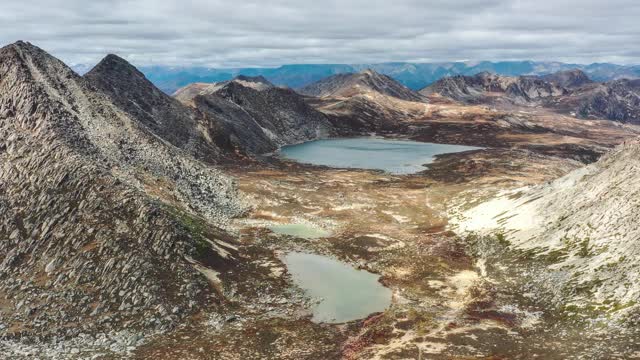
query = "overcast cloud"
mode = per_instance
[{"x": 274, "y": 32}]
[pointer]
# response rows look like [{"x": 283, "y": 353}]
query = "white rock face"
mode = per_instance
[{"x": 590, "y": 218}]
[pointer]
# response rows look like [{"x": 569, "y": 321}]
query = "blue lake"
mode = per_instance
[{"x": 393, "y": 156}]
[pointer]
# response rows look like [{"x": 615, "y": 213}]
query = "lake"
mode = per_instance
[
  {"x": 346, "y": 293},
  {"x": 393, "y": 156}
]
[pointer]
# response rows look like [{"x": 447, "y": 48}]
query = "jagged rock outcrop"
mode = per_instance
[
  {"x": 584, "y": 229},
  {"x": 458, "y": 87},
  {"x": 256, "y": 117},
  {"x": 98, "y": 213},
  {"x": 367, "y": 81},
  {"x": 483, "y": 86}
]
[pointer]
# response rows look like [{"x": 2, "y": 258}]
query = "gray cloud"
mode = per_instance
[{"x": 273, "y": 32}]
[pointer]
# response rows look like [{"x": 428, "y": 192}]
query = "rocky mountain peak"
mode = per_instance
[
  {"x": 132, "y": 92},
  {"x": 369, "y": 72},
  {"x": 254, "y": 82},
  {"x": 113, "y": 68},
  {"x": 366, "y": 81},
  {"x": 585, "y": 215},
  {"x": 22, "y": 49},
  {"x": 32, "y": 59},
  {"x": 253, "y": 79}
]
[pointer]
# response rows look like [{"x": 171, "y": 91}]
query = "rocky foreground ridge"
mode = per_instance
[{"x": 98, "y": 208}]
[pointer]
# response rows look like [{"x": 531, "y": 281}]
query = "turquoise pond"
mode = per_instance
[
  {"x": 345, "y": 292},
  {"x": 393, "y": 156}
]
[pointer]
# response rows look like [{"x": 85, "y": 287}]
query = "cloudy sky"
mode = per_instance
[{"x": 273, "y": 32}]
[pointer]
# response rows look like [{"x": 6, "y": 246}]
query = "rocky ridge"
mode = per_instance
[
  {"x": 479, "y": 88},
  {"x": 99, "y": 214},
  {"x": 582, "y": 227},
  {"x": 256, "y": 117},
  {"x": 570, "y": 92}
]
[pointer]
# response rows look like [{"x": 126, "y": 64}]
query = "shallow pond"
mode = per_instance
[
  {"x": 346, "y": 293},
  {"x": 393, "y": 156},
  {"x": 303, "y": 231}
]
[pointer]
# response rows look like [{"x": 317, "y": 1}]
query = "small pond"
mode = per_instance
[{"x": 346, "y": 293}]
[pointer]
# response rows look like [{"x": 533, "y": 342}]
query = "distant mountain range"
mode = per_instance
[
  {"x": 570, "y": 92},
  {"x": 413, "y": 75}
]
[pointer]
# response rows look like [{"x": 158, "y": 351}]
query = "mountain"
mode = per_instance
[
  {"x": 582, "y": 228},
  {"x": 254, "y": 116},
  {"x": 367, "y": 81},
  {"x": 485, "y": 86},
  {"x": 188, "y": 93},
  {"x": 413, "y": 75},
  {"x": 128, "y": 88},
  {"x": 617, "y": 100},
  {"x": 568, "y": 79},
  {"x": 106, "y": 225},
  {"x": 364, "y": 102}
]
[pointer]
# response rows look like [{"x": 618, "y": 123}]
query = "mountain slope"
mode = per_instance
[
  {"x": 583, "y": 225},
  {"x": 256, "y": 117},
  {"x": 367, "y": 81},
  {"x": 93, "y": 208},
  {"x": 129, "y": 89}
]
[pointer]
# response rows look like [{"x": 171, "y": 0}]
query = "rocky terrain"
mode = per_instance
[
  {"x": 568, "y": 92},
  {"x": 97, "y": 211},
  {"x": 568, "y": 79},
  {"x": 583, "y": 226},
  {"x": 481, "y": 87},
  {"x": 617, "y": 100},
  {"x": 188, "y": 93},
  {"x": 129, "y": 90},
  {"x": 254, "y": 116}
]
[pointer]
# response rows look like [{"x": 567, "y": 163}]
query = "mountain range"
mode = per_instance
[
  {"x": 571, "y": 92},
  {"x": 413, "y": 75}
]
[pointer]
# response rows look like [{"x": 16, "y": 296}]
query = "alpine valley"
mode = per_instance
[{"x": 192, "y": 216}]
